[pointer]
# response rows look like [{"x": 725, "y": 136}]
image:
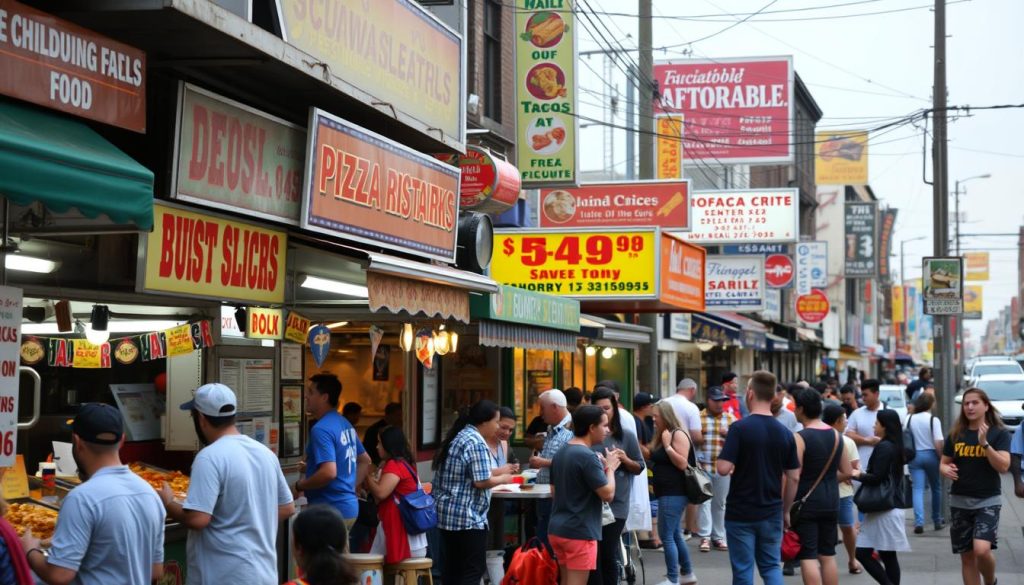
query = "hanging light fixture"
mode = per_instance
[
  {"x": 97, "y": 333},
  {"x": 607, "y": 353},
  {"x": 442, "y": 342},
  {"x": 591, "y": 351},
  {"x": 405, "y": 338},
  {"x": 705, "y": 345},
  {"x": 453, "y": 338}
]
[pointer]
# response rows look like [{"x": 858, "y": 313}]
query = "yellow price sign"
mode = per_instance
[{"x": 578, "y": 263}]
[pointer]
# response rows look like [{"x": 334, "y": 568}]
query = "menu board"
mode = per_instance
[{"x": 253, "y": 383}]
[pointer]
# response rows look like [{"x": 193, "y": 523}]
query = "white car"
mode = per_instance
[
  {"x": 894, "y": 396},
  {"x": 991, "y": 366},
  {"x": 1006, "y": 391}
]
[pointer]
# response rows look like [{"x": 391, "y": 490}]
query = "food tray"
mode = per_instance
[
  {"x": 155, "y": 476},
  {"x": 42, "y": 527}
]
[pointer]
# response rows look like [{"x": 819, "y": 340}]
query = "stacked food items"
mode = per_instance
[
  {"x": 40, "y": 520},
  {"x": 156, "y": 478}
]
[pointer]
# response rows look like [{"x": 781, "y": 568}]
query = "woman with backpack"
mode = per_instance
[
  {"x": 396, "y": 479},
  {"x": 926, "y": 431}
]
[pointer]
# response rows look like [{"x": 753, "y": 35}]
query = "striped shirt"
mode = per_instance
[
  {"x": 460, "y": 504},
  {"x": 714, "y": 429},
  {"x": 558, "y": 436}
]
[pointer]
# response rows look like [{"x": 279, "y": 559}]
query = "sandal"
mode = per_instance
[
  {"x": 705, "y": 545},
  {"x": 857, "y": 570},
  {"x": 720, "y": 545}
]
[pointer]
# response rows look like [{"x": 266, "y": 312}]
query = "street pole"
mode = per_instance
[
  {"x": 645, "y": 87},
  {"x": 945, "y": 384},
  {"x": 960, "y": 320}
]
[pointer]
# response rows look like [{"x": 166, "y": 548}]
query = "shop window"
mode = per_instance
[
  {"x": 370, "y": 383},
  {"x": 472, "y": 373},
  {"x": 492, "y": 59}
]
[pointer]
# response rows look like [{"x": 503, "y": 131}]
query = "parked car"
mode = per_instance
[
  {"x": 1006, "y": 391},
  {"x": 990, "y": 366},
  {"x": 894, "y": 397}
]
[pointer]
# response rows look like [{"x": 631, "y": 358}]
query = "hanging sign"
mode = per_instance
[
  {"x": 812, "y": 308},
  {"x": 126, "y": 352},
  {"x": 898, "y": 307},
  {"x": 62, "y": 352},
  {"x": 90, "y": 355},
  {"x": 10, "y": 349},
  {"x": 32, "y": 351},
  {"x": 734, "y": 283},
  {"x": 841, "y": 158},
  {"x": 811, "y": 266},
  {"x": 973, "y": 304},
  {"x": 425, "y": 347},
  {"x": 682, "y": 274},
  {"x": 745, "y": 216},
  {"x": 885, "y": 231},
  {"x": 642, "y": 204},
  {"x": 977, "y": 266},
  {"x": 943, "y": 286},
  {"x": 179, "y": 340},
  {"x": 778, "y": 270},
  {"x": 861, "y": 221},
  {"x": 295, "y": 328},
  {"x": 319, "y": 341},
  {"x": 376, "y": 335},
  {"x": 669, "y": 146},
  {"x": 488, "y": 184},
  {"x": 264, "y": 323}
]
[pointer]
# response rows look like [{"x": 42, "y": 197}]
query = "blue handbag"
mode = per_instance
[{"x": 417, "y": 508}]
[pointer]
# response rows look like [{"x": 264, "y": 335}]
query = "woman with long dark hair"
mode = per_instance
[
  {"x": 976, "y": 452},
  {"x": 670, "y": 451},
  {"x": 924, "y": 467},
  {"x": 621, "y": 444},
  {"x": 396, "y": 478},
  {"x": 319, "y": 539},
  {"x": 462, "y": 491},
  {"x": 884, "y": 532}
]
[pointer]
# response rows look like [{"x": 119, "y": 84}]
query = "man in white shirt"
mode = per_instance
[
  {"x": 686, "y": 411},
  {"x": 861, "y": 424}
]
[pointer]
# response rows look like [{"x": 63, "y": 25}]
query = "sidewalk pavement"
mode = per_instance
[{"x": 931, "y": 561}]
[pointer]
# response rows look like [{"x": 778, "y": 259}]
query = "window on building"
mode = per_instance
[{"x": 492, "y": 59}]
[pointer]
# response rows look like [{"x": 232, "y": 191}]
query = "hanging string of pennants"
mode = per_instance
[{"x": 60, "y": 352}]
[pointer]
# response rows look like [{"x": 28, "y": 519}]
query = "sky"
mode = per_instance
[{"x": 862, "y": 67}]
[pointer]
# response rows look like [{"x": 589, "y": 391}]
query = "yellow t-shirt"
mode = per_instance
[{"x": 850, "y": 448}]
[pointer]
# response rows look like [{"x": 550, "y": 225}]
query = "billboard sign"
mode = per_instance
[
  {"x": 977, "y": 266},
  {"x": 744, "y": 216},
  {"x": 682, "y": 273},
  {"x": 943, "y": 280},
  {"x": 861, "y": 222},
  {"x": 647, "y": 203},
  {"x": 669, "y": 147},
  {"x": 841, "y": 158},
  {"x": 736, "y": 110},
  {"x": 973, "y": 305},
  {"x": 734, "y": 283}
]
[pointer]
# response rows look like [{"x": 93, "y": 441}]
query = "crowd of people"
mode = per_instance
[{"x": 818, "y": 461}]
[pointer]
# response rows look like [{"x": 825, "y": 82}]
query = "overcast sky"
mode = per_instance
[{"x": 858, "y": 70}]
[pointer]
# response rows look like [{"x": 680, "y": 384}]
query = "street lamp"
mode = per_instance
[{"x": 956, "y": 207}]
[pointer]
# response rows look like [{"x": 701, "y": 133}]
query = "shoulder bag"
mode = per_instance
[
  {"x": 909, "y": 444},
  {"x": 797, "y": 507},
  {"x": 416, "y": 508},
  {"x": 885, "y": 496},
  {"x": 696, "y": 481}
]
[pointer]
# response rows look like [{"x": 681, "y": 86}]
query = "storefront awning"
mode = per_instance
[
  {"x": 63, "y": 164},
  {"x": 433, "y": 273},
  {"x": 396, "y": 294},
  {"x": 806, "y": 334},
  {"x": 706, "y": 328},
  {"x": 615, "y": 331},
  {"x": 776, "y": 343},
  {"x": 498, "y": 334},
  {"x": 752, "y": 333}
]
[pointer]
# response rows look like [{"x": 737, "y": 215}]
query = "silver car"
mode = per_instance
[
  {"x": 1007, "y": 394},
  {"x": 991, "y": 366},
  {"x": 894, "y": 397}
]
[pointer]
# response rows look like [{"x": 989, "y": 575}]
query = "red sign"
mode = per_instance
[
  {"x": 51, "y": 62},
  {"x": 736, "y": 110},
  {"x": 649, "y": 203},
  {"x": 489, "y": 184},
  {"x": 682, "y": 273},
  {"x": 364, "y": 187},
  {"x": 813, "y": 307},
  {"x": 778, "y": 270}
]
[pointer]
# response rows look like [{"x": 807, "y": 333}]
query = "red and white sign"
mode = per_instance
[
  {"x": 488, "y": 184},
  {"x": 756, "y": 216},
  {"x": 10, "y": 352},
  {"x": 813, "y": 307},
  {"x": 734, "y": 283},
  {"x": 736, "y": 110},
  {"x": 778, "y": 270},
  {"x": 644, "y": 203}
]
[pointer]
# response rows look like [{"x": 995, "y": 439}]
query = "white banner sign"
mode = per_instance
[
  {"x": 811, "y": 267},
  {"x": 10, "y": 354},
  {"x": 752, "y": 216},
  {"x": 772, "y": 305},
  {"x": 734, "y": 283},
  {"x": 679, "y": 326}
]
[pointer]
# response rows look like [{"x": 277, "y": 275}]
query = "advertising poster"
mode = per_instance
[
  {"x": 812, "y": 308},
  {"x": 746, "y": 216},
  {"x": 734, "y": 283},
  {"x": 736, "y": 110},
  {"x": 898, "y": 308},
  {"x": 546, "y": 93},
  {"x": 669, "y": 146},
  {"x": 943, "y": 286},
  {"x": 10, "y": 349},
  {"x": 861, "y": 224},
  {"x": 682, "y": 273},
  {"x": 977, "y": 266},
  {"x": 885, "y": 230},
  {"x": 488, "y": 184},
  {"x": 973, "y": 305},
  {"x": 811, "y": 266},
  {"x": 645, "y": 203},
  {"x": 841, "y": 158}
]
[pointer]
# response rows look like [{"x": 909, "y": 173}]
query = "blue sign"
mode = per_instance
[
  {"x": 319, "y": 343},
  {"x": 755, "y": 249}
]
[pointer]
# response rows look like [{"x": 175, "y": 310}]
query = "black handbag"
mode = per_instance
[
  {"x": 905, "y": 493},
  {"x": 696, "y": 481},
  {"x": 797, "y": 507}
]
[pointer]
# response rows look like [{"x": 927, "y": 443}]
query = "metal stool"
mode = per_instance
[{"x": 410, "y": 571}]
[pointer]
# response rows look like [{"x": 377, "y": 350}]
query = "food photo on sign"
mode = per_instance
[{"x": 643, "y": 203}]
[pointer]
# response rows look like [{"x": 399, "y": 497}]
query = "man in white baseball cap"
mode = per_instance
[{"x": 236, "y": 497}]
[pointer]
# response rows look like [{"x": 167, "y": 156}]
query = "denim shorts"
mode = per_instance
[{"x": 846, "y": 516}]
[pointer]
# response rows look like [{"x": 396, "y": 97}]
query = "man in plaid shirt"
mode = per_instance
[
  {"x": 715, "y": 423},
  {"x": 554, "y": 411}
]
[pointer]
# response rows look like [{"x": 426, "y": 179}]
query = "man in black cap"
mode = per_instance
[
  {"x": 111, "y": 527},
  {"x": 643, "y": 404}
]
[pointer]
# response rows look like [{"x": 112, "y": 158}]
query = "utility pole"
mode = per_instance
[
  {"x": 645, "y": 85},
  {"x": 945, "y": 382}
]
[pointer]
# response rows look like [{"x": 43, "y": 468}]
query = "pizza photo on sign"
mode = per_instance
[
  {"x": 559, "y": 206},
  {"x": 544, "y": 29}
]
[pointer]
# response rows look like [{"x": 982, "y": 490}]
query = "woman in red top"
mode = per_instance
[{"x": 396, "y": 478}]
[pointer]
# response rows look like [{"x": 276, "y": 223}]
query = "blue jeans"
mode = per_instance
[
  {"x": 759, "y": 542},
  {"x": 543, "y": 518},
  {"x": 925, "y": 466},
  {"x": 670, "y": 529}
]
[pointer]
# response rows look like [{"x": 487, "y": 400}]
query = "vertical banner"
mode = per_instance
[
  {"x": 898, "y": 308},
  {"x": 10, "y": 350},
  {"x": 669, "y": 129},
  {"x": 811, "y": 266},
  {"x": 943, "y": 286},
  {"x": 973, "y": 304},
  {"x": 888, "y": 217},
  {"x": 861, "y": 223},
  {"x": 841, "y": 158},
  {"x": 546, "y": 93},
  {"x": 976, "y": 266}
]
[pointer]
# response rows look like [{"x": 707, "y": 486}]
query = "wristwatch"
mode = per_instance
[{"x": 986, "y": 445}]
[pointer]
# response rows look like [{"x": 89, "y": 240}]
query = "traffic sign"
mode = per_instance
[
  {"x": 778, "y": 270},
  {"x": 813, "y": 307}
]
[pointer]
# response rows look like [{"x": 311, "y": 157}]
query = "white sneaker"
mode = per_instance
[
  {"x": 688, "y": 579},
  {"x": 667, "y": 582}
]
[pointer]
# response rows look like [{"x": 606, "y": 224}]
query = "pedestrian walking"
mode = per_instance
[
  {"x": 758, "y": 451},
  {"x": 336, "y": 461},
  {"x": 975, "y": 453},
  {"x": 1017, "y": 461},
  {"x": 835, "y": 416},
  {"x": 111, "y": 527},
  {"x": 582, "y": 480},
  {"x": 924, "y": 467},
  {"x": 236, "y": 497},
  {"x": 397, "y": 478},
  {"x": 860, "y": 425},
  {"x": 822, "y": 457},
  {"x": 882, "y": 531},
  {"x": 670, "y": 456},
  {"x": 715, "y": 423},
  {"x": 462, "y": 492},
  {"x": 782, "y": 414},
  {"x": 318, "y": 536},
  {"x": 686, "y": 411},
  {"x": 554, "y": 409},
  {"x": 620, "y": 444}
]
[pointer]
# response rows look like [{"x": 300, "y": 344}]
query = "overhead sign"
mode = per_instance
[
  {"x": 973, "y": 305},
  {"x": 765, "y": 249},
  {"x": 199, "y": 255},
  {"x": 645, "y": 203},
  {"x": 898, "y": 307},
  {"x": 517, "y": 305},
  {"x": 10, "y": 351},
  {"x": 363, "y": 187},
  {"x": 682, "y": 273},
  {"x": 943, "y": 286},
  {"x": 734, "y": 283},
  {"x": 265, "y": 323},
  {"x": 592, "y": 264},
  {"x": 811, "y": 266},
  {"x": 861, "y": 222},
  {"x": 231, "y": 156},
  {"x": 841, "y": 158},
  {"x": 885, "y": 232},
  {"x": 59, "y": 65},
  {"x": 736, "y": 110},
  {"x": 390, "y": 54},
  {"x": 489, "y": 184},
  {"x": 772, "y": 305},
  {"x": 679, "y": 326},
  {"x": 751, "y": 216},
  {"x": 546, "y": 151},
  {"x": 976, "y": 266},
  {"x": 296, "y": 327},
  {"x": 812, "y": 308},
  {"x": 669, "y": 146},
  {"x": 778, "y": 270}
]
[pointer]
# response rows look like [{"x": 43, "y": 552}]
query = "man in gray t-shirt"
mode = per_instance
[
  {"x": 111, "y": 528},
  {"x": 236, "y": 497}
]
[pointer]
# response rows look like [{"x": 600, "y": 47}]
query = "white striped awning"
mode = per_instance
[{"x": 499, "y": 334}]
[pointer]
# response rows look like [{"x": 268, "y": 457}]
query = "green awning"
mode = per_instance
[{"x": 64, "y": 164}]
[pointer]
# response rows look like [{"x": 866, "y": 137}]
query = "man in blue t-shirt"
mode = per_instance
[
  {"x": 758, "y": 450},
  {"x": 336, "y": 461}
]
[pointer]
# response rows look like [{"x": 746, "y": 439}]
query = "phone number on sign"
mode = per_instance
[{"x": 574, "y": 287}]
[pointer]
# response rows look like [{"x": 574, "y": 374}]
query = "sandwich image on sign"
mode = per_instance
[{"x": 844, "y": 147}]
